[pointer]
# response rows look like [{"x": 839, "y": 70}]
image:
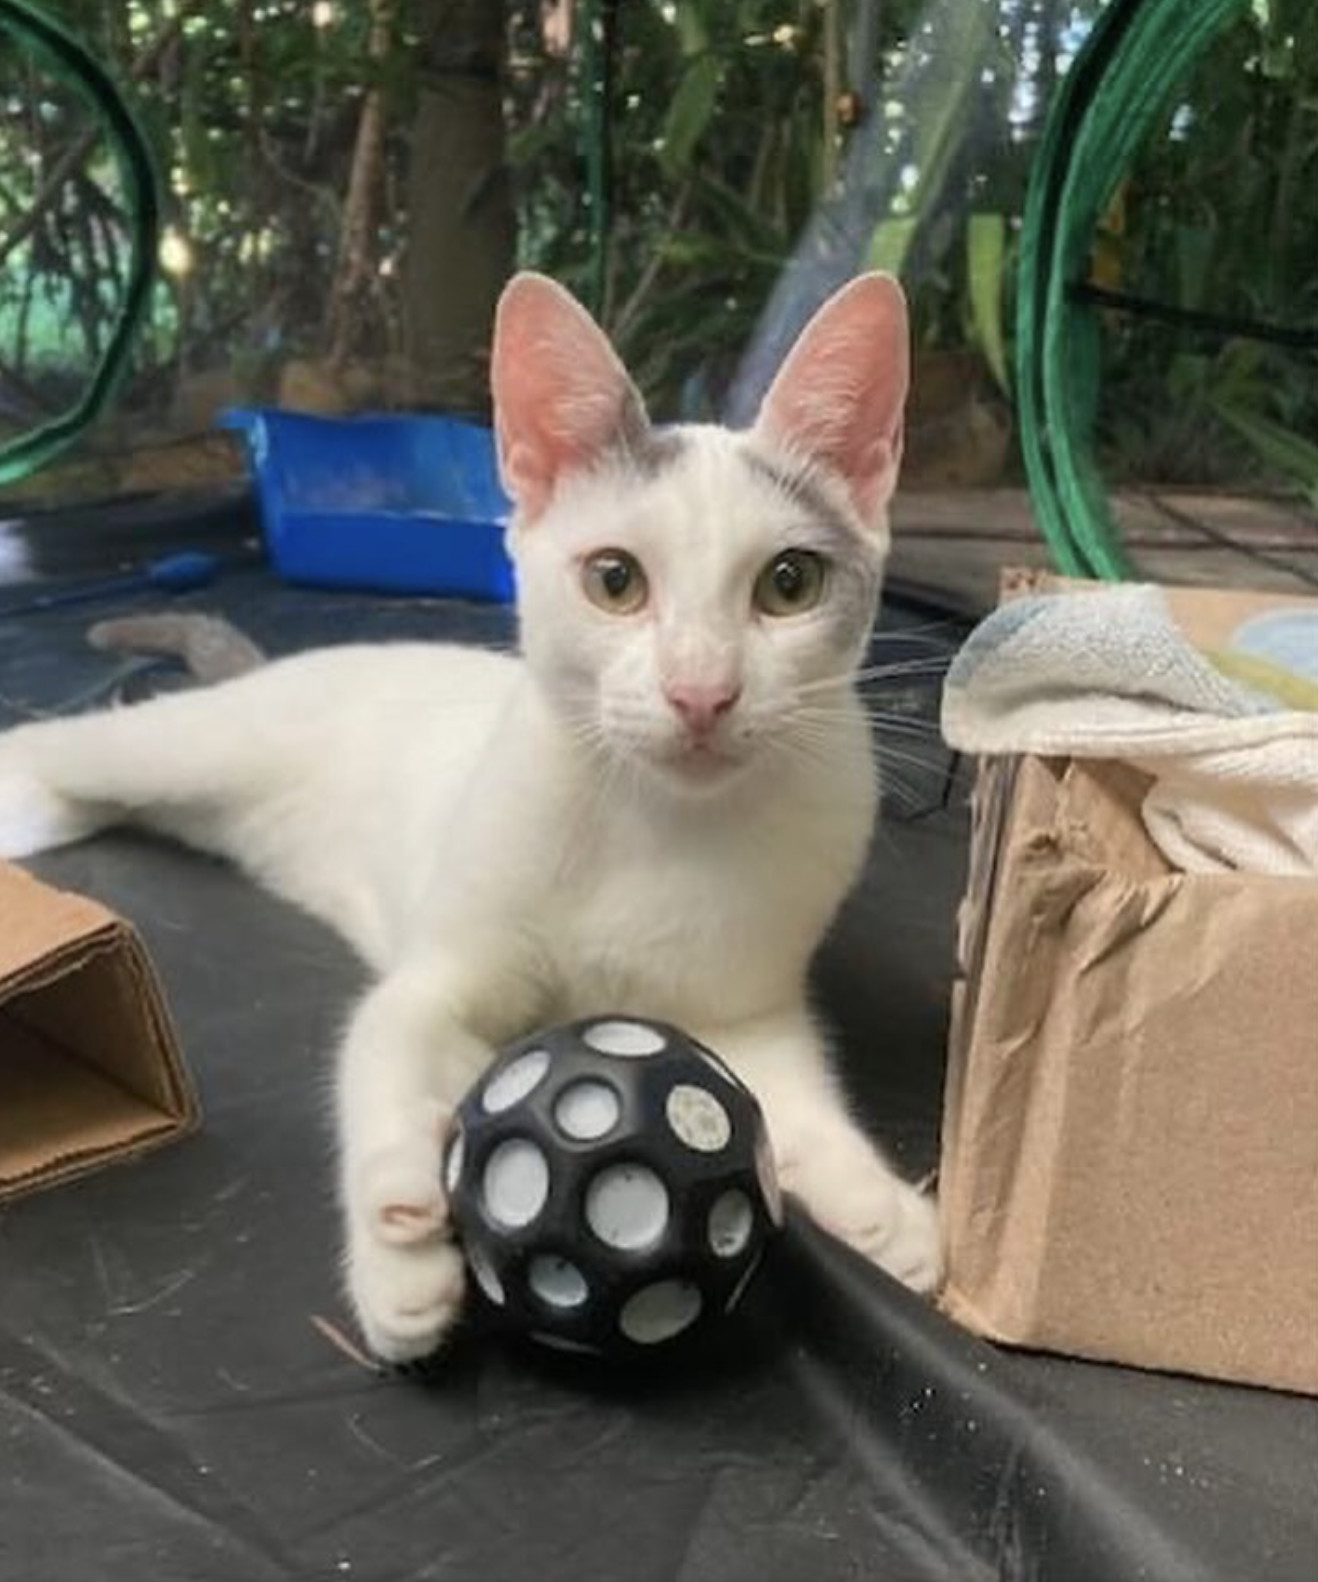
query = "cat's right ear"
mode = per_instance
[
  {"x": 838, "y": 399},
  {"x": 562, "y": 399}
]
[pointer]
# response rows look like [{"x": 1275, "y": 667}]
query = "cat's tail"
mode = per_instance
[{"x": 211, "y": 648}]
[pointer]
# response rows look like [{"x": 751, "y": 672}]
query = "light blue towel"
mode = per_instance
[{"x": 1108, "y": 673}]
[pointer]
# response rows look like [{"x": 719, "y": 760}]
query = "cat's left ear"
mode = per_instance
[
  {"x": 562, "y": 399},
  {"x": 838, "y": 400}
]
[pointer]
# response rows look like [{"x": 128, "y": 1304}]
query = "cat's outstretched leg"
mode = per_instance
[
  {"x": 34, "y": 816},
  {"x": 171, "y": 764},
  {"x": 823, "y": 1158},
  {"x": 415, "y": 1044},
  {"x": 53, "y": 779},
  {"x": 268, "y": 770}
]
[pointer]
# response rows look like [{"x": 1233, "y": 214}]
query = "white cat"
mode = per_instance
[{"x": 658, "y": 809}]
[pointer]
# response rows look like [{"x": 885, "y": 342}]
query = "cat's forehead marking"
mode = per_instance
[
  {"x": 651, "y": 451},
  {"x": 647, "y": 451},
  {"x": 805, "y": 493}
]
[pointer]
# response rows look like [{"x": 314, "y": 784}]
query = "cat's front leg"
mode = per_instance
[
  {"x": 415, "y": 1044},
  {"x": 823, "y": 1158}
]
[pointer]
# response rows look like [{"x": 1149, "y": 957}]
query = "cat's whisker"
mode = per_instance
[
  {"x": 885, "y": 721},
  {"x": 893, "y": 720},
  {"x": 903, "y": 725},
  {"x": 938, "y": 656},
  {"x": 903, "y": 670},
  {"x": 585, "y": 731},
  {"x": 584, "y": 725},
  {"x": 890, "y": 709},
  {"x": 905, "y": 796},
  {"x": 813, "y": 746},
  {"x": 896, "y": 790},
  {"x": 900, "y": 669},
  {"x": 802, "y": 751},
  {"x": 888, "y": 753},
  {"x": 612, "y": 771},
  {"x": 949, "y": 627},
  {"x": 814, "y": 740}
]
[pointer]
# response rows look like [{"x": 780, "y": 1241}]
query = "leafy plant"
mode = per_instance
[
  {"x": 986, "y": 271},
  {"x": 1279, "y": 448},
  {"x": 734, "y": 124},
  {"x": 1215, "y": 224}
]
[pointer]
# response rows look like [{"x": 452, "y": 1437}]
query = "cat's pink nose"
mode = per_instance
[{"x": 701, "y": 707}]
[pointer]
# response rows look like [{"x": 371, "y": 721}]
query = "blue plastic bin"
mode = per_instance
[{"x": 408, "y": 504}]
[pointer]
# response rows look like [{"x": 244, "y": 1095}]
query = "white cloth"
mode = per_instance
[{"x": 1108, "y": 674}]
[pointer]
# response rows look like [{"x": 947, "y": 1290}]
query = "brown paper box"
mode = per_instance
[
  {"x": 90, "y": 1070},
  {"x": 1130, "y": 1149}
]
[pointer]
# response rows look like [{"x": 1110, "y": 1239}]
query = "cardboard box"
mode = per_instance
[
  {"x": 90, "y": 1070},
  {"x": 1130, "y": 1149}
]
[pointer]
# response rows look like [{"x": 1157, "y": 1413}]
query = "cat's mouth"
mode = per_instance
[{"x": 700, "y": 761}]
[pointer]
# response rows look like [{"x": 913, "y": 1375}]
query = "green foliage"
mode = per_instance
[
  {"x": 718, "y": 119},
  {"x": 252, "y": 108},
  {"x": 689, "y": 114},
  {"x": 725, "y": 138},
  {"x": 1285, "y": 453},
  {"x": 986, "y": 269},
  {"x": 1220, "y": 219}
]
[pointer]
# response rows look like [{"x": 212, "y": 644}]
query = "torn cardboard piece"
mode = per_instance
[
  {"x": 1130, "y": 1148},
  {"x": 90, "y": 1069}
]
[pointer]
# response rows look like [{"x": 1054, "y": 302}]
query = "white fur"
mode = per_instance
[{"x": 509, "y": 842}]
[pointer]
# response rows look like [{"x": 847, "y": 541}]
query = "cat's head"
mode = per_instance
[{"x": 689, "y": 596}]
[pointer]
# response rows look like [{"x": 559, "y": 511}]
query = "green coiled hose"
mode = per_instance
[
  {"x": 71, "y": 62},
  {"x": 1121, "y": 79}
]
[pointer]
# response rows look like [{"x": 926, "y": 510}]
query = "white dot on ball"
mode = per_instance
[
  {"x": 587, "y": 1110},
  {"x": 629, "y": 1039},
  {"x": 730, "y": 1222},
  {"x": 453, "y": 1164},
  {"x": 516, "y": 1182},
  {"x": 556, "y": 1281},
  {"x": 768, "y": 1174},
  {"x": 486, "y": 1278},
  {"x": 627, "y": 1206},
  {"x": 698, "y": 1118},
  {"x": 660, "y": 1311},
  {"x": 518, "y": 1078}
]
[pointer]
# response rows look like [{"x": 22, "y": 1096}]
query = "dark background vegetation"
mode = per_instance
[{"x": 349, "y": 182}]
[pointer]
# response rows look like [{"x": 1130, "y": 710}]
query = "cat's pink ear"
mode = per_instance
[
  {"x": 837, "y": 401},
  {"x": 562, "y": 399}
]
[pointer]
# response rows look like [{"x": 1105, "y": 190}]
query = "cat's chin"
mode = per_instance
[{"x": 699, "y": 770}]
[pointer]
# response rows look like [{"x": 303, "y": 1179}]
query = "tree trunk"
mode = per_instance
[
  {"x": 462, "y": 241},
  {"x": 354, "y": 273}
]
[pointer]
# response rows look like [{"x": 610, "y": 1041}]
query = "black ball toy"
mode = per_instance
[{"x": 611, "y": 1185}]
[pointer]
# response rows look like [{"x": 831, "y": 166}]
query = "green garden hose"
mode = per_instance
[
  {"x": 71, "y": 62},
  {"x": 1121, "y": 80}
]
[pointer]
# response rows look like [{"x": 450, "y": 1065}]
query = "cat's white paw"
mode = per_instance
[
  {"x": 407, "y": 1296},
  {"x": 405, "y": 1274},
  {"x": 901, "y": 1237},
  {"x": 398, "y": 1192},
  {"x": 880, "y": 1216},
  {"x": 33, "y": 818}
]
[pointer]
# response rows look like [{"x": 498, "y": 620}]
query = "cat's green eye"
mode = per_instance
[
  {"x": 792, "y": 583},
  {"x": 614, "y": 581}
]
